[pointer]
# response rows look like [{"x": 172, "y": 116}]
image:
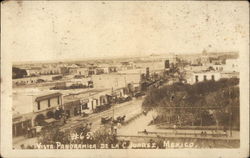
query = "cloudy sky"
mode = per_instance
[{"x": 77, "y": 30}]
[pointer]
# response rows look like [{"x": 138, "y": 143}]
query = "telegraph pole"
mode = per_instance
[
  {"x": 201, "y": 117},
  {"x": 231, "y": 113},
  {"x": 112, "y": 128},
  {"x": 125, "y": 81},
  {"x": 112, "y": 103},
  {"x": 230, "y": 121}
]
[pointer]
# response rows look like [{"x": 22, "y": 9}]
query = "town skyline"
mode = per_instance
[{"x": 122, "y": 58}]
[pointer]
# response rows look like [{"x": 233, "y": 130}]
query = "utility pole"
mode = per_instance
[
  {"x": 231, "y": 113},
  {"x": 200, "y": 116},
  {"x": 113, "y": 112},
  {"x": 112, "y": 103},
  {"x": 112, "y": 125},
  {"x": 230, "y": 121},
  {"x": 116, "y": 82},
  {"x": 125, "y": 81}
]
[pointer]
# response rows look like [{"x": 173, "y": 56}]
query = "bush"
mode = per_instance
[
  {"x": 50, "y": 114},
  {"x": 40, "y": 119},
  {"x": 18, "y": 73}
]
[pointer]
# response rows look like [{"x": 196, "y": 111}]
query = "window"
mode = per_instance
[
  {"x": 167, "y": 64},
  {"x": 38, "y": 105},
  {"x": 84, "y": 106},
  {"x": 58, "y": 100},
  {"x": 212, "y": 77},
  {"x": 205, "y": 77},
  {"x": 48, "y": 102},
  {"x": 96, "y": 102},
  {"x": 196, "y": 78}
]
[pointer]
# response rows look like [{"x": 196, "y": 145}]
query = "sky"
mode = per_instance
[{"x": 59, "y": 30}]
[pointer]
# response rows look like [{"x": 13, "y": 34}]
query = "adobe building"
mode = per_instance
[
  {"x": 28, "y": 106},
  {"x": 203, "y": 76}
]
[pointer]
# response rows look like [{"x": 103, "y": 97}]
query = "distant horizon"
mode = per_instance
[{"x": 109, "y": 58}]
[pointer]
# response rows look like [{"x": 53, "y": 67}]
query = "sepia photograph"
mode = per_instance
[{"x": 82, "y": 76}]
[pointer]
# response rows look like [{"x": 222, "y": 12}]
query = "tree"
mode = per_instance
[
  {"x": 40, "y": 119},
  {"x": 18, "y": 73},
  {"x": 50, "y": 114},
  {"x": 223, "y": 94}
]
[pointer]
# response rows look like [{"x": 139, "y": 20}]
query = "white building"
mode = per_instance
[
  {"x": 107, "y": 81},
  {"x": 232, "y": 65},
  {"x": 27, "y": 105},
  {"x": 36, "y": 71},
  {"x": 203, "y": 76},
  {"x": 32, "y": 80},
  {"x": 82, "y": 71}
]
